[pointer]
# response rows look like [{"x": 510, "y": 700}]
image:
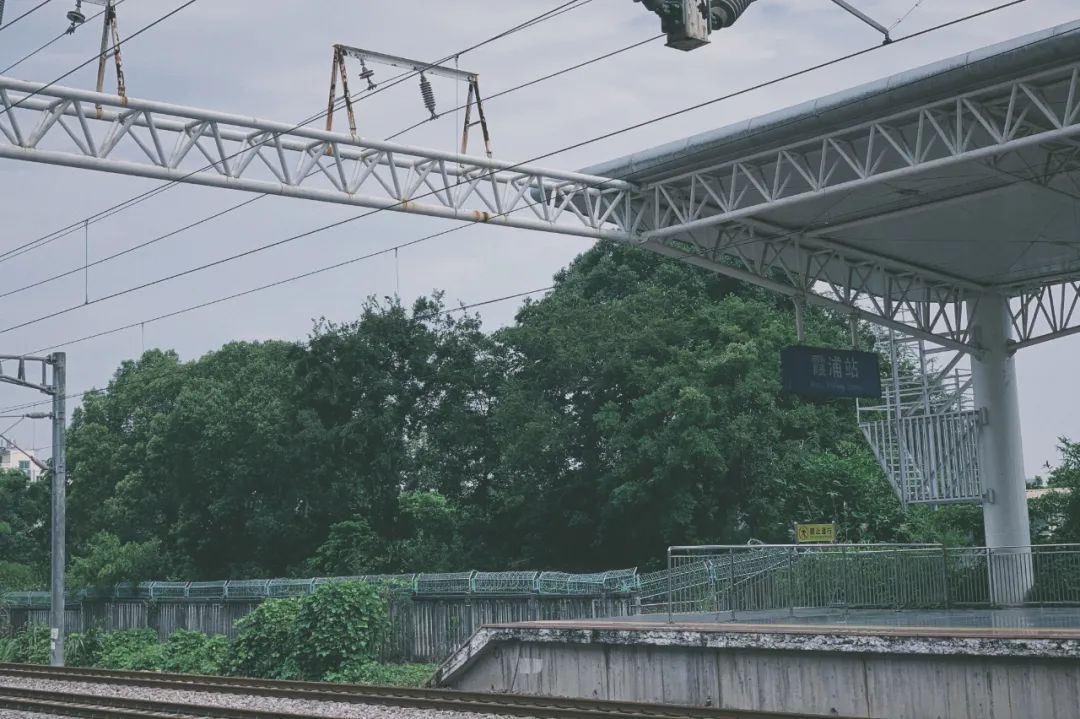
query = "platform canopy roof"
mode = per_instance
[{"x": 902, "y": 200}]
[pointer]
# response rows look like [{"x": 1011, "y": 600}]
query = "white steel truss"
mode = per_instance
[
  {"x": 62, "y": 126},
  {"x": 712, "y": 217},
  {"x": 925, "y": 430},
  {"x": 922, "y": 304},
  {"x": 1044, "y": 313},
  {"x": 976, "y": 126},
  {"x": 713, "y": 213}
]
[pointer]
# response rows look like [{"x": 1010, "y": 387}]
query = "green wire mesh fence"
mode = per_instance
[{"x": 623, "y": 581}]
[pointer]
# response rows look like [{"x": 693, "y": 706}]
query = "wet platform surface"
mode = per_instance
[
  {"x": 1027, "y": 618},
  {"x": 1029, "y": 623}
]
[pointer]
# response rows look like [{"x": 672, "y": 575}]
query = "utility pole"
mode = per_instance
[
  {"x": 56, "y": 387},
  {"x": 57, "y": 607}
]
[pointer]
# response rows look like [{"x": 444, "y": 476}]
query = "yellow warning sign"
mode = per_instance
[{"x": 811, "y": 533}]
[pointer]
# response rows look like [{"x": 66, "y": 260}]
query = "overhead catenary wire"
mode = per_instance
[
  {"x": 312, "y": 273},
  {"x": 304, "y": 275},
  {"x": 583, "y": 143},
  {"x": 420, "y": 318},
  {"x": 538, "y": 80},
  {"x": 635, "y": 126},
  {"x": 55, "y": 40},
  {"x": 278, "y": 283},
  {"x": 232, "y": 208},
  {"x": 26, "y": 14},
  {"x": 145, "y": 28},
  {"x": 905, "y": 16},
  {"x": 23, "y": 16},
  {"x": 396, "y": 80},
  {"x": 321, "y": 270}
]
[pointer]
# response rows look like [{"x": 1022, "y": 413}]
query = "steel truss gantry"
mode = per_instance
[
  {"x": 61, "y": 126},
  {"x": 711, "y": 217}
]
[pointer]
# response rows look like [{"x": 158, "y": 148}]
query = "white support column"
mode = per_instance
[{"x": 1005, "y": 510}]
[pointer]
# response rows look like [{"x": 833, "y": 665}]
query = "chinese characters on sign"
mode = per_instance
[
  {"x": 827, "y": 372},
  {"x": 815, "y": 533}
]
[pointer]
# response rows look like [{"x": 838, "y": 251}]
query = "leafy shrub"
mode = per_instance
[
  {"x": 384, "y": 675},
  {"x": 188, "y": 652},
  {"x": 84, "y": 650},
  {"x": 132, "y": 650},
  {"x": 32, "y": 644},
  {"x": 8, "y": 650},
  {"x": 342, "y": 624},
  {"x": 265, "y": 641}
]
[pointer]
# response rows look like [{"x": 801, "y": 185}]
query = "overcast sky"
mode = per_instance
[{"x": 271, "y": 59}]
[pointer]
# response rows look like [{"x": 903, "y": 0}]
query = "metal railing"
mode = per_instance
[
  {"x": 759, "y": 578},
  {"x": 621, "y": 581}
]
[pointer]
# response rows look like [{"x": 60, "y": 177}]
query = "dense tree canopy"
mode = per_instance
[
  {"x": 637, "y": 405},
  {"x": 642, "y": 407},
  {"x": 24, "y": 533}
]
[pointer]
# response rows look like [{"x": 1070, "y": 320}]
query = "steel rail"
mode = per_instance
[{"x": 449, "y": 700}]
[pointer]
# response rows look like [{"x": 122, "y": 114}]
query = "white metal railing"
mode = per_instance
[
  {"x": 742, "y": 578},
  {"x": 924, "y": 431}
]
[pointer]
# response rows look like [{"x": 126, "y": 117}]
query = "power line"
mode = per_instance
[
  {"x": 345, "y": 263},
  {"x": 538, "y": 80},
  {"x": 905, "y": 16},
  {"x": 668, "y": 115},
  {"x": 583, "y": 143},
  {"x": 240, "y": 205},
  {"x": 81, "y": 65},
  {"x": 354, "y": 260},
  {"x": 56, "y": 39},
  {"x": 28, "y": 13},
  {"x": 396, "y": 80},
  {"x": 421, "y": 318},
  {"x": 128, "y": 204}
]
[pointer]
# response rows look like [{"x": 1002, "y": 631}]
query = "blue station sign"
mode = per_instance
[{"x": 824, "y": 372}]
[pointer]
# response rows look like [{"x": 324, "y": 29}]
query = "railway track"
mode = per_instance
[{"x": 73, "y": 704}]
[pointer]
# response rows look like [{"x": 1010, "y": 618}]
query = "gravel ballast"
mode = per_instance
[{"x": 236, "y": 701}]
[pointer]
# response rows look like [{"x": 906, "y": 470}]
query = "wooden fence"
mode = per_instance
[{"x": 424, "y": 628}]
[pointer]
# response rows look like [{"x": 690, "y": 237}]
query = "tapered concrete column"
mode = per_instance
[{"x": 1001, "y": 452}]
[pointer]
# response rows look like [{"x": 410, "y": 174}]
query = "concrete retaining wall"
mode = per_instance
[
  {"x": 855, "y": 675},
  {"x": 424, "y": 629}
]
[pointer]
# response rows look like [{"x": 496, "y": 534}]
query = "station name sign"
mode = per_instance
[{"x": 824, "y": 372}]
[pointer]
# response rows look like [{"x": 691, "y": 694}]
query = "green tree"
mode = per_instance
[
  {"x": 352, "y": 549},
  {"x": 198, "y": 457},
  {"x": 106, "y": 562},
  {"x": 398, "y": 401},
  {"x": 1057, "y": 514},
  {"x": 842, "y": 484},
  {"x": 24, "y": 531},
  {"x": 643, "y": 408}
]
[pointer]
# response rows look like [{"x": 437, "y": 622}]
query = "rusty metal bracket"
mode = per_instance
[
  {"x": 474, "y": 98},
  {"x": 110, "y": 27},
  {"x": 338, "y": 69}
]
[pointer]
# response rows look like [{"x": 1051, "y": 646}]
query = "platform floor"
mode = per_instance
[{"x": 1028, "y": 618}]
